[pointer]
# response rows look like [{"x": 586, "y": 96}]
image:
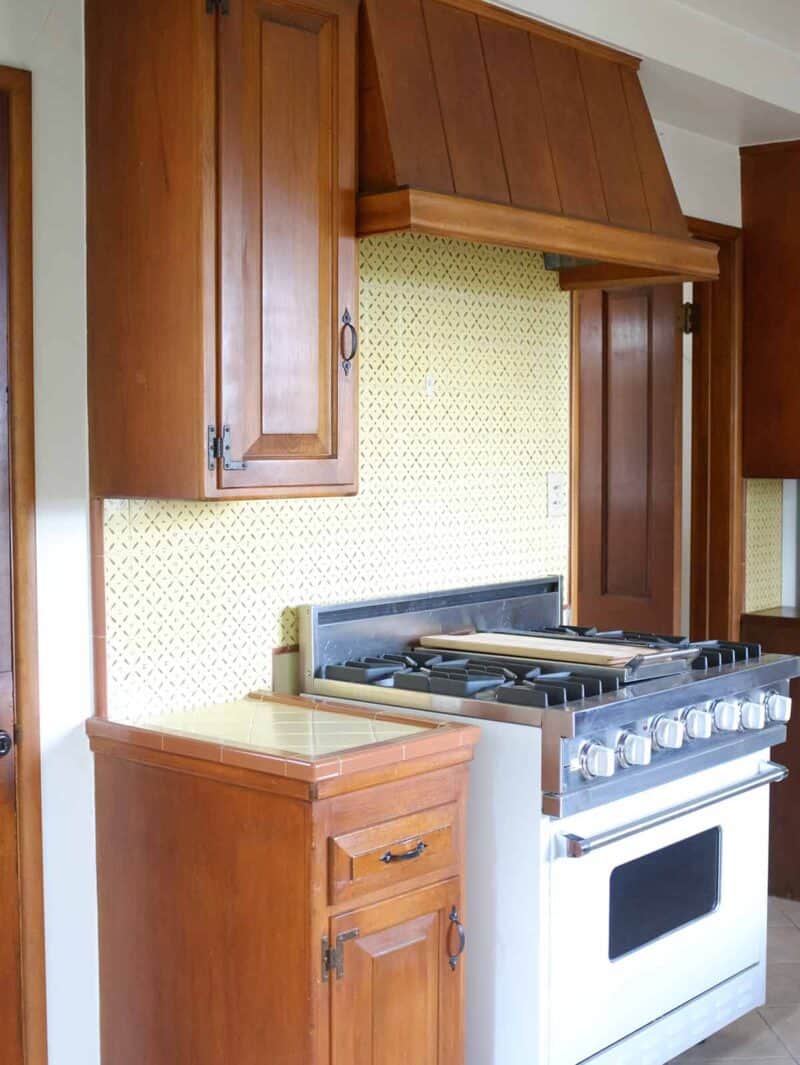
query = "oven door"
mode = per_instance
[{"x": 654, "y": 900}]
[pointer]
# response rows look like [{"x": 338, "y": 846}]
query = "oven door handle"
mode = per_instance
[{"x": 571, "y": 846}]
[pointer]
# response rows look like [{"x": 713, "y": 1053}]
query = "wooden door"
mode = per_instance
[
  {"x": 399, "y": 1000},
  {"x": 10, "y": 971},
  {"x": 629, "y": 458},
  {"x": 288, "y": 275}
]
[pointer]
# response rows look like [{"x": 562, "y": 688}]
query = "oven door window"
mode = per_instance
[{"x": 662, "y": 891}]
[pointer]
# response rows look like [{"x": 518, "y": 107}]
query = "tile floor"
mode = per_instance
[{"x": 771, "y": 1034}]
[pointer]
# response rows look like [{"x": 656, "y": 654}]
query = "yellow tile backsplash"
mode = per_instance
[
  {"x": 763, "y": 544},
  {"x": 464, "y": 409}
]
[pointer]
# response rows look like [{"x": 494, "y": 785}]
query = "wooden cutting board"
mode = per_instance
[{"x": 518, "y": 646}]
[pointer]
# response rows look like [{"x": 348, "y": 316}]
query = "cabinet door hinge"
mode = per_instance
[
  {"x": 333, "y": 957},
  {"x": 219, "y": 447},
  {"x": 223, "y": 6},
  {"x": 691, "y": 318}
]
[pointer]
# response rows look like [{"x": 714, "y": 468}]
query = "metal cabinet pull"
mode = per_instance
[
  {"x": 406, "y": 856},
  {"x": 348, "y": 327},
  {"x": 579, "y": 846},
  {"x": 462, "y": 938}
]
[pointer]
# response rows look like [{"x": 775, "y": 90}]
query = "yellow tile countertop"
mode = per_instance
[{"x": 289, "y": 736}]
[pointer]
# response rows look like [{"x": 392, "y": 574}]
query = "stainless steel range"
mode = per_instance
[{"x": 619, "y": 812}]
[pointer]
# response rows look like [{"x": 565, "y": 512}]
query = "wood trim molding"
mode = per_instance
[
  {"x": 772, "y": 146},
  {"x": 574, "y": 453},
  {"x": 98, "y": 580},
  {"x": 442, "y": 215},
  {"x": 608, "y": 276},
  {"x": 717, "y": 534},
  {"x": 16, "y": 84}
]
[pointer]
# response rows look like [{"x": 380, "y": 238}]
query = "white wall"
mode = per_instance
[
  {"x": 706, "y": 174},
  {"x": 46, "y": 36}
]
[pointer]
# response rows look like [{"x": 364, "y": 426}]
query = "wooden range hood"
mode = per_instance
[{"x": 481, "y": 124}]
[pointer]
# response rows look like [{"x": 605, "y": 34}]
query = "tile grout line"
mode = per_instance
[{"x": 776, "y": 1034}]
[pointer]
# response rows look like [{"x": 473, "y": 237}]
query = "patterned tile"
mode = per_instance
[
  {"x": 464, "y": 409},
  {"x": 763, "y": 544}
]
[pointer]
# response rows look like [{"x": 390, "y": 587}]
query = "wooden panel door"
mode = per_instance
[
  {"x": 398, "y": 999},
  {"x": 10, "y": 971},
  {"x": 629, "y": 455},
  {"x": 288, "y": 276}
]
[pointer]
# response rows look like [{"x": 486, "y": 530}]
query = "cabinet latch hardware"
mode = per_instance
[
  {"x": 223, "y": 6},
  {"x": 691, "y": 318},
  {"x": 219, "y": 447},
  {"x": 333, "y": 957}
]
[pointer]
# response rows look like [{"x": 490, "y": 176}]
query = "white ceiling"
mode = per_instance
[
  {"x": 773, "y": 20},
  {"x": 713, "y": 110},
  {"x": 725, "y": 69}
]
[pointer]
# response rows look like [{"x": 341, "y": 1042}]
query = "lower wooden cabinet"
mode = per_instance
[
  {"x": 398, "y": 999},
  {"x": 248, "y": 917},
  {"x": 778, "y": 632}
]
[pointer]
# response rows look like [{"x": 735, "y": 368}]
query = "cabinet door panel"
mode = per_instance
[
  {"x": 399, "y": 1000},
  {"x": 287, "y": 241}
]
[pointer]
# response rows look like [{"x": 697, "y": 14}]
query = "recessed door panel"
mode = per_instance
[
  {"x": 629, "y": 452},
  {"x": 398, "y": 998},
  {"x": 287, "y": 268}
]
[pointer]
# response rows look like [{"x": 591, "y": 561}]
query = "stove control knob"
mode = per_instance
[
  {"x": 634, "y": 749},
  {"x": 598, "y": 760},
  {"x": 699, "y": 723},
  {"x": 754, "y": 715},
  {"x": 779, "y": 707},
  {"x": 668, "y": 733},
  {"x": 727, "y": 715}
]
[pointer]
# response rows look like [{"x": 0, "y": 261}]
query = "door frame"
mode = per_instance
[
  {"x": 716, "y": 588},
  {"x": 716, "y": 597},
  {"x": 16, "y": 85}
]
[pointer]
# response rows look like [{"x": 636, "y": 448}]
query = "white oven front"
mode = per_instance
[{"x": 652, "y": 901}]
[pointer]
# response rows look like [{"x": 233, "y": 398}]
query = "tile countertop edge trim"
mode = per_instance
[{"x": 358, "y": 759}]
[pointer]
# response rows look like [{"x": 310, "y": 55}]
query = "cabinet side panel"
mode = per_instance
[
  {"x": 150, "y": 201},
  {"x": 771, "y": 219},
  {"x": 204, "y": 920}
]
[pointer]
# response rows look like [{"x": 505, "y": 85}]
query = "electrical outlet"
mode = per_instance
[
  {"x": 430, "y": 385},
  {"x": 557, "y": 494}
]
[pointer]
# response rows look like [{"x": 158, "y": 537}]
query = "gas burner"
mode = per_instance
[
  {"x": 556, "y": 688},
  {"x": 652, "y": 640},
  {"x": 712, "y": 653},
  {"x": 647, "y": 639},
  {"x": 455, "y": 677},
  {"x": 376, "y": 668},
  {"x": 366, "y": 670}
]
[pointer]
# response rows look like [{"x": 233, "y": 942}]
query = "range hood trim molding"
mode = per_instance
[{"x": 437, "y": 214}]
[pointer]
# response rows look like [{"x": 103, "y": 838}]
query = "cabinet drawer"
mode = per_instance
[{"x": 392, "y": 852}]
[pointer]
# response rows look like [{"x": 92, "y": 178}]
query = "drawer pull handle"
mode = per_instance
[
  {"x": 462, "y": 938},
  {"x": 406, "y": 856},
  {"x": 348, "y": 327}
]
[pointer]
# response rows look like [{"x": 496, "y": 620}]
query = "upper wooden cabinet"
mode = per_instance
[
  {"x": 222, "y": 279},
  {"x": 771, "y": 375}
]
